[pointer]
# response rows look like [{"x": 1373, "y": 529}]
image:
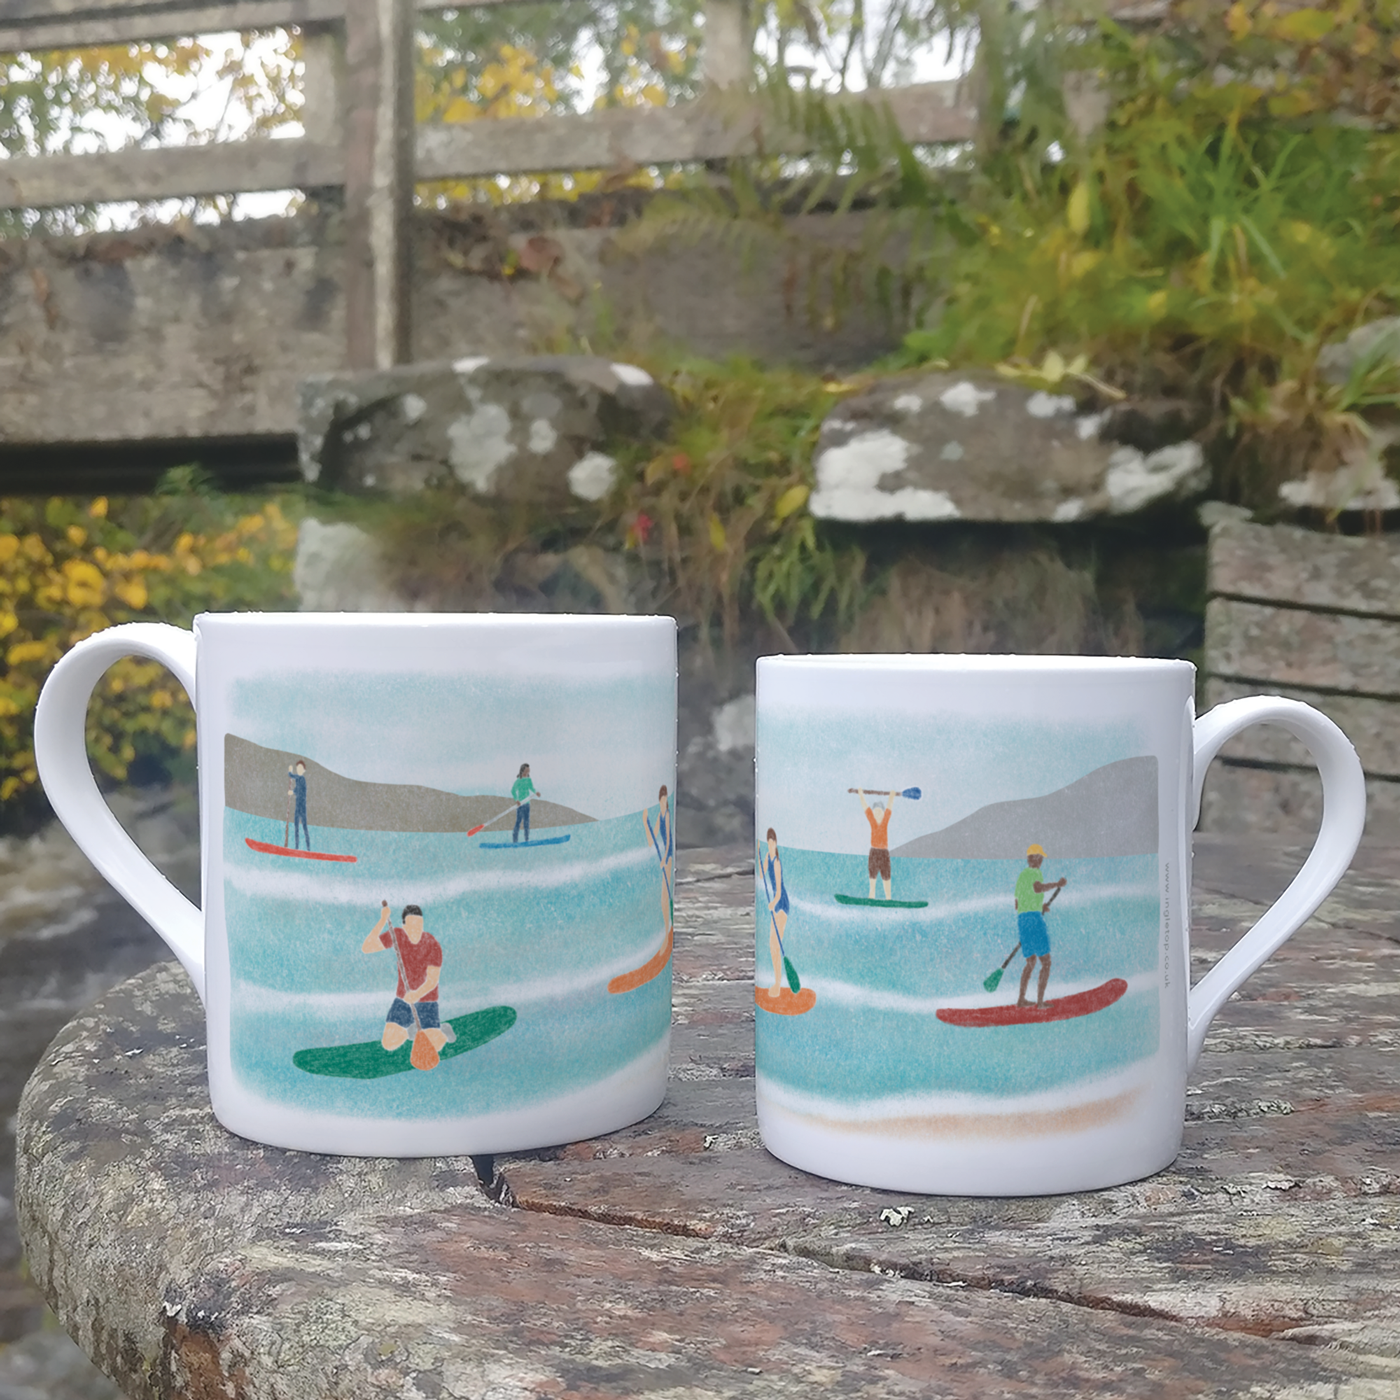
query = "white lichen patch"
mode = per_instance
[
  {"x": 907, "y": 403},
  {"x": 733, "y": 725},
  {"x": 1134, "y": 481},
  {"x": 542, "y": 436},
  {"x": 414, "y": 407},
  {"x": 965, "y": 398},
  {"x": 848, "y": 483},
  {"x": 478, "y": 443},
  {"x": 470, "y": 364},
  {"x": 634, "y": 375},
  {"x": 1338, "y": 491},
  {"x": 592, "y": 476},
  {"x": 952, "y": 452},
  {"x": 1072, "y": 509},
  {"x": 1088, "y": 426},
  {"x": 1043, "y": 405}
]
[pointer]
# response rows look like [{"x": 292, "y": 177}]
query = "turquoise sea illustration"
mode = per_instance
[
  {"x": 881, "y": 975},
  {"x": 540, "y": 931}
]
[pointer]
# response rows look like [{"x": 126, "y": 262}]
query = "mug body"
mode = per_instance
[
  {"x": 437, "y": 877},
  {"x": 971, "y": 973}
]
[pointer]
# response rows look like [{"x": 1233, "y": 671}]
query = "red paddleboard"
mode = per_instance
[
  {"x": 268, "y": 849},
  {"x": 640, "y": 976},
  {"x": 785, "y": 1002},
  {"x": 1057, "y": 1009}
]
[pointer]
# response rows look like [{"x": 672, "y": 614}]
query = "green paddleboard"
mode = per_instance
[
  {"x": 882, "y": 903},
  {"x": 370, "y": 1060}
]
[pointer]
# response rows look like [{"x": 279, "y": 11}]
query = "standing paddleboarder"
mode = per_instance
[
  {"x": 777, "y": 909},
  {"x": 419, "y": 958},
  {"x": 878, "y": 863},
  {"x": 522, "y": 789},
  {"x": 663, "y": 842},
  {"x": 1030, "y": 922},
  {"x": 296, "y": 790}
]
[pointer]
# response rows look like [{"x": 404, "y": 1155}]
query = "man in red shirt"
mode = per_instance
[
  {"x": 419, "y": 958},
  {"x": 878, "y": 863}
]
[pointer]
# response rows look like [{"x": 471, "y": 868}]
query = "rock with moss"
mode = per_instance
[
  {"x": 937, "y": 446},
  {"x": 528, "y": 430}
]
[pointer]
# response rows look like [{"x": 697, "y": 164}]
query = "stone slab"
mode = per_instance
[
  {"x": 1283, "y": 564},
  {"x": 1288, "y": 646},
  {"x": 1373, "y": 726},
  {"x": 1245, "y": 797},
  {"x": 677, "y": 1258},
  {"x": 978, "y": 447}
]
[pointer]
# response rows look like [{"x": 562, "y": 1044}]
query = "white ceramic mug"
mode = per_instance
[
  {"x": 437, "y": 862},
  {"x": 973, "y": 902}
]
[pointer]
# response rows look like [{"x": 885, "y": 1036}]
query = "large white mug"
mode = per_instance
[
  {"x": 973, "y": 899},
  {"x": 437, "y": 864}
]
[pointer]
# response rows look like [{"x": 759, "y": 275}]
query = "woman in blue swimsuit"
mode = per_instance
[
  {"x": 778, "y": 908},
  {"x": 663, "y": 842}
]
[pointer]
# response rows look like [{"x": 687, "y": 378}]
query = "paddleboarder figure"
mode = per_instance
[
  {"x": 419, "y": 958},
  {"x": 777, "y": 908},
  {"x": 522, "y": 789},
  {"x": 1030, "y": 922},
  {"x": 663, "y": 842},
  {"x": 878, "y": 863},
  {"x": 296, "y": 790}
]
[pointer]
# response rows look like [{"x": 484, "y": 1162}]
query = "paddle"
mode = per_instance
[
  {"x": 496, "y": 818},
  {"x": 993, "y": 979},
  {"x": 424, "y": 1054},
  {"x": 287, "y": 825},
  {"x": 793, "y": 980},
  {"x": 656, "y": 846},
  {"x": 914, "y": 794}
]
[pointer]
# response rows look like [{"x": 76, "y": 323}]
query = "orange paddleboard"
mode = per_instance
[
  {"x": 640, "y": 976},
  {"x": 785, "y": 1002}
]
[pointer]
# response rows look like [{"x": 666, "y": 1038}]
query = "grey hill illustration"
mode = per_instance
[
  {"x": 255, "y": 781},
  {"x": 1109, "y": 812}
]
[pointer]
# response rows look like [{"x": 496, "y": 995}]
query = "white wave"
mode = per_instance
[
  {"x": 343, "y": 885},
  {"x": 851, "y": 994},
  {"x": 936, "y": 1104},
  {"x": 860, "y": 914},
  {"x": 255, "y": 997}
]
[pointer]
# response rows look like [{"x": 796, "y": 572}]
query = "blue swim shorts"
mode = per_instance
[
  {"x": 401, "y": 1014},
  {"x": 1035, "y": 938}
]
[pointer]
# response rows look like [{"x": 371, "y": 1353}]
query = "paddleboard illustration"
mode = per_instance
[
  {"x": 370, "y": 1060},
  {"x": 267, "y": 848},
  {"x": 785, "y": 1002},
  {"x": 1056, "y": 1009},
  {"x": 640, "y": 976},
  {"x": 522, "y": 845},
  {"x": 881, "y": 903}
]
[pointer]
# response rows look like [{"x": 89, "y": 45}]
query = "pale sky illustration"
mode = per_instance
[
  {"x": 807, "y": 759},
  {"x": 602, "y": 747}
]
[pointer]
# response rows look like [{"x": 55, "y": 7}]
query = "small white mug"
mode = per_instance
[
  {"x": 437, "y": 864},
  {"x": 918, "y": 817}
]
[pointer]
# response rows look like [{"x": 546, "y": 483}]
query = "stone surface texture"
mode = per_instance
[
  {"x": 527, "y": 430},
  {"x": 948, "y": 446},
  {"x": 1313, "y": 617},
  {"x": 677, "y": 1259}
]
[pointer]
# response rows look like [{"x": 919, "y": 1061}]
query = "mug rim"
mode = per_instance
[
  {"x": 485, "y": 620},
  {"x": 964, "y": 662}
]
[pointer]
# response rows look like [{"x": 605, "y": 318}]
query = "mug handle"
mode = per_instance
[
  {"x": 60, "y": 754},
  {"x": 1343, "y": 820}
]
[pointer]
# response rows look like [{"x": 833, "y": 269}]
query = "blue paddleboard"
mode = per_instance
[{"x": 522, "y": 845}]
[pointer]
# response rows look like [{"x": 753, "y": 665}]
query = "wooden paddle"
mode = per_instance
[
  {"x": 424, "y": 1054},
  {"x": 993, "y": 979},
  {"x": 496, "y": 818},
  {"x": 914, "y": 794}
]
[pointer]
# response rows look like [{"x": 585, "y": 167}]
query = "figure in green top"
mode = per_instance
[
  {"x": 1030, "y": 922},
  {"x": 522, "y": 789}
]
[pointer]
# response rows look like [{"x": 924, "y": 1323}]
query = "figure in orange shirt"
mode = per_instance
[{"x": 878, "y": 866}]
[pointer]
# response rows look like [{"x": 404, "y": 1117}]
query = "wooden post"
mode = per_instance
[
  {"x": 378, "y": 134},
  {"x": 728, "y": 57}
]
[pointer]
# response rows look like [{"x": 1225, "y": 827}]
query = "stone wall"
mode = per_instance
[{"x": 204, "y": 333}]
